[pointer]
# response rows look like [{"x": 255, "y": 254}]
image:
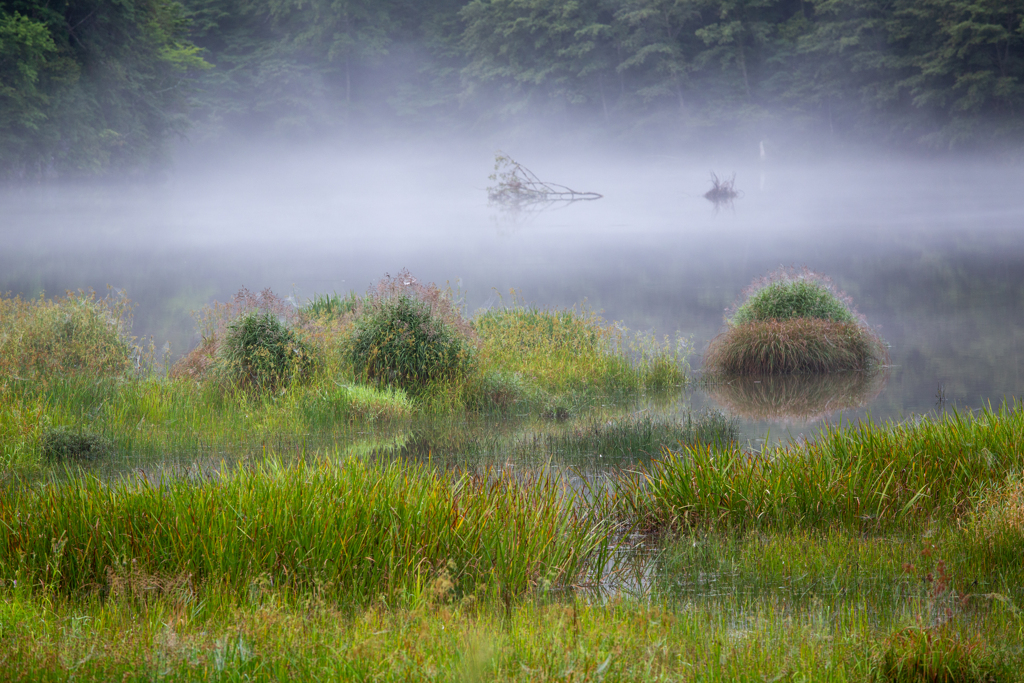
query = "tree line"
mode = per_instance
[{"x": 99, "y": 86}]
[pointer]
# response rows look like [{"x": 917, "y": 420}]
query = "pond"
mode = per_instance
[{"x": 930, "y": 252}]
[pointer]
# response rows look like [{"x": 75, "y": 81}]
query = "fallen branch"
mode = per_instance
[{"x": 518, "y": 186}]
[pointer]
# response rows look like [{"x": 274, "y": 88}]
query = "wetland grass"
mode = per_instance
[
  {"x": 861, "y": 478},
  {"x": 794, "y": 321}
]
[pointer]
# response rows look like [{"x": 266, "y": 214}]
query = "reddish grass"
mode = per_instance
[{"x": 798, "y": 345}]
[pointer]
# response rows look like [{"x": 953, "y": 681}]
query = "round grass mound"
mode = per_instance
[
  {"x": 408, "y": 335},
  {"x": 262, "y": 353},
  {"x": 794, "y": 321}
]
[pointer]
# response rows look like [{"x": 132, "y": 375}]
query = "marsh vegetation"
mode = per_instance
[{"x": 330, "y": 509}]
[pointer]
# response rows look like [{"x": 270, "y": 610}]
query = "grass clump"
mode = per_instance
[
  {"x": 357, "y": 532},
  {"x": 77, "y": 335},
  {"x": 409, "y": 335},
  {"x": 794, "y": 321},
  {"x": 569, "y": 350},
  {"x": 854, "y": 477},
  {"x": 261, "y": 353},
  {"x": 62, "y": 444}
]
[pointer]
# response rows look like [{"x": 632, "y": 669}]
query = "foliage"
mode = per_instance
[
  {"x": 78, "y": 335},
  {"x": 91, "y": 87},
  {"x": 791, "y": 293},
  {"x": 644, "y": 435},
  {"x": 61, "y": 444},
  {"x": 409, "y": 335},
  {"x": 262, "y": 353},
  {"x": 332, "y": 307}
]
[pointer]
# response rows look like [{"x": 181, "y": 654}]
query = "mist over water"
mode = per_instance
[{"x": 930, "y": 251}]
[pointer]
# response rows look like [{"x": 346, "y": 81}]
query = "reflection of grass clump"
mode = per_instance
[
  {"x": 796, "y": 397},
  {"x": 262, "y": 353},
  {"x": 408, "y": 335},
  {"x": 62, "y": 444},
  {"x": 644, "y": 435},
  {"x": 794, "y": 322}
]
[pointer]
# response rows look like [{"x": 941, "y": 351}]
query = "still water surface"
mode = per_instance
[{"x": 931, "y": 253}]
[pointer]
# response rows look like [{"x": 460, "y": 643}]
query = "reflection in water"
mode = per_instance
[{"x": 797, "y": 398}]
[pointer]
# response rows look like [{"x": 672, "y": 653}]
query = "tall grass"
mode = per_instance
[
  {"x": 858, "y": 477},
  {"x": 798, "y": 345},
  {"x": 570, "y": 350},
  {"x": 359, "y": 532},
  {"x": 643, "y": 435}
]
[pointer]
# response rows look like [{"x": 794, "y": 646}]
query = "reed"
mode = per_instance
[
  {"x": 642, "y": 436},
  {"x": 356, "y": 531},
  {"x": 858, "y": 477},
  {"x": 574, "y": 350}
]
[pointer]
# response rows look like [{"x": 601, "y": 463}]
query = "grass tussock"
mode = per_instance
[
  {"x": 798, "y": 345},
  {"x": 854, "y": 477},
  {"x": 359, "y": 532},
  {"x": 794, "y": 321},
  {"x": 800, "y": 397}
]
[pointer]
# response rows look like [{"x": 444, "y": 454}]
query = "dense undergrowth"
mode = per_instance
[{"x": 265, "y": 371}]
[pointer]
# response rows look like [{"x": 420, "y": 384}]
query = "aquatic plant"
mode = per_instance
[
  {"x": 63, "y": 444},
  {"x": 794, "y": 321},
  {"x": 408, "y": 335},
  {"x": 643, "y": 435},
  {"x": 331, "y": 306},
  {"x": 359, "y": 532},
  {"x": 261, "y": 353}
]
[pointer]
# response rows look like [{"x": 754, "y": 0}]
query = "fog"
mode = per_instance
[{"x": 929, "y": 250}]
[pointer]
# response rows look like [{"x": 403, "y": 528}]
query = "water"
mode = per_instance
[{"x": 931, "y": 253}]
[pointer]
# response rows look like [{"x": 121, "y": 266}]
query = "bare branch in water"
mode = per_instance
[
  {"x": 517, "y": 186},
  {"x": 721, "y": 190}
]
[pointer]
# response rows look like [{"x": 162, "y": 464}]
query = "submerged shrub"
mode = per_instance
[
  {"x": 408, "y": 335},
  {"x": 794, "y": 321},
  {"x": 261, "y": 352},
  {"x": 62, "y": 444}
]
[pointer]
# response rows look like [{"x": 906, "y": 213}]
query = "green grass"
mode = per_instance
[
  {"x": 354, "y": 531},
  {"x": 862, "y": 478},
  {"x": 788, "y": 299}
]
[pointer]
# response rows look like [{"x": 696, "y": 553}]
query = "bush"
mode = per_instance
[
  {"x": 790, "y": 293},
  {"x": 401, "y": 341},
  {"x": 77, "y": 335},
  {"x": 61, "y": 444},
  {"x": 260, "y": 352}
]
